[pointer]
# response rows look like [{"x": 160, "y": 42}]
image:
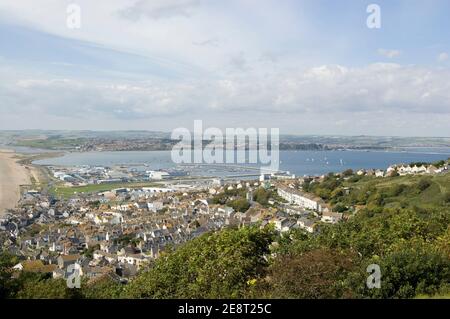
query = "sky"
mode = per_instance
[{"x": 305, "y": 67}]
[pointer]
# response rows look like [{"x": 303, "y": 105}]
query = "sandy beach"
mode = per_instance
[{"x": 12, "y": 175}]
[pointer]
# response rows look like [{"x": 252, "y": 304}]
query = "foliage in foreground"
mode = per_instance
[
  {"x": 410, "y": 243},
  {"x": 219, "y": 265}
]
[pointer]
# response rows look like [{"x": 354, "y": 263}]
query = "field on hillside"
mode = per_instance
[
  {"x": 404, "y": 190},
  {"x": 350, "y": 193}
]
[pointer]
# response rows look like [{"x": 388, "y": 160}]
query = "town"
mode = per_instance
[{"x": 117, "y": 232}]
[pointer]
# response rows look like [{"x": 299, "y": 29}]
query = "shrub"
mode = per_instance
[{"x": 423, "y": 184}]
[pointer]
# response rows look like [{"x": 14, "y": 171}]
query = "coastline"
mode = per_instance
[
  {"x": 17, "y": 170},
  {"x": 12, "y": 176}
]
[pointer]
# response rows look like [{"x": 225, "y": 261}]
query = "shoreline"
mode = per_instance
[
  {"x": 13, "y": 176},
  {"x": 16, "y": 172}
]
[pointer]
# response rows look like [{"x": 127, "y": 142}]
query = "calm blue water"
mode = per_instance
[{"x": 297, "y": 162}]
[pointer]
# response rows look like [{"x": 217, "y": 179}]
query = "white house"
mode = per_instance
[
  {"x": 121, "y": 208},
  {"x": 98, "y": 254},
  {"x": 301, "y": 199},
  {"x": 379, "y": 173},
  {"x": 306, "y": 224},
  {"x": 155, "y": 206},
  {"x": 331, "y": 217},
  {"x": 133, "y": 259},
  {"x": 111, "y": 218},
  {"x": 360, "y": 172},
  {"x": 283, "y": 224}
]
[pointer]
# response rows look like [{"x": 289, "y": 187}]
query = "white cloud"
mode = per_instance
[
  {"x": 389, "y": 53},
  {"x": 258, "y": 59},
  {"x": 155, "y": 9},
  {"x": 173, "y": 29},
  {"x": 239, "y": 61},
  {"x": 442, "y": 57},
  {"x": 388, "y": 98},
  {"x": 328, "y": 88}
]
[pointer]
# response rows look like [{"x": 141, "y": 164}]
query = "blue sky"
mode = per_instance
[{"x": 307, "y": 67}]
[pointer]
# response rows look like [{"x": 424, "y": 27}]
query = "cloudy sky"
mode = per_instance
[{"x": 306, "y": 67}]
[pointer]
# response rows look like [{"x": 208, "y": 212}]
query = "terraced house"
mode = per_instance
[{"x": 301, "y": 199}]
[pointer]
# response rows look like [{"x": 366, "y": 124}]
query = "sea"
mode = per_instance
[{"x": 300, "y": 163}]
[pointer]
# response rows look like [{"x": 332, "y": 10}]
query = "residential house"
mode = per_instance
[
  {"x": 301, "y": 199},
  {"x": 379, "y": 173},
  {"x": 98, "y": 254},
  {"x": 306, "y": 224},
  {"x": 331, "y": 217},
  {"x": 65, "y": 260},
  {"x": 283, "y": 224}
]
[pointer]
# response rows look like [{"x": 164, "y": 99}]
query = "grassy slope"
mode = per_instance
[{"x": 431, "y": 197}]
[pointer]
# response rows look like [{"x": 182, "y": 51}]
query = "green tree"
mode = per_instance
[
  {"x": 216, "y": 265},
  {"x": 320, "y": 273},
  {"x": 104, "y": 288},
  {"x": 8, "y": 286},
  {"x": 36, "y": 286},
  {"x": 347, "y": 172},
  {"x": 239, "y": 205},
  {"x": 262, "y": 196},
  {"x": 412, "y": 269},
  {"x": 339, "y": 207}
]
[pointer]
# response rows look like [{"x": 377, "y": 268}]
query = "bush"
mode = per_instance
[
  {"x": 447, "y": 198},
  {"x": 240, "y": 205},
  {"x": 339, "y": 207},
  {"x": 320, "y": 273},
  {"x": 7, "y": 285},
  {"x": 37, "y": 286},
  {"x": 423, "y": 184},
  {"x": 261, "y": 196},
  {"x": 412, "y": 269},
  {"x": 396, "y": 190},
  {"x": 348, "y": 172},
  {"x": 217, "y": 265},
  {"x": 104, "y": 288}
]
